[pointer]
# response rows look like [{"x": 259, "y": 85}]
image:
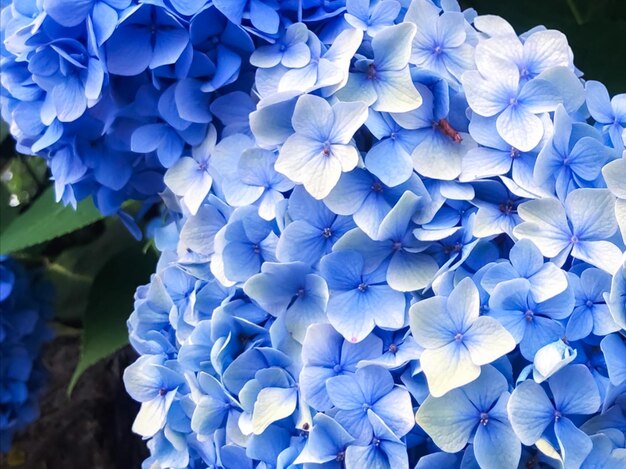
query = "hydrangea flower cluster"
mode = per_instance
[
  {"x": 402, "y": 247},
  {"x": 112, "y": 92},
  {"x": 25, "y": 308}
]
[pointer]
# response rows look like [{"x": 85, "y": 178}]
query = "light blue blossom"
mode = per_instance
[
  {"x": 573, "y": 157},
  {"x": 385, "y": 450},
  {"x": 326, "y": 354},
  {"x": 292, "y": 291},
  {"x": 456, "y": 340},
  {"x": 395, "y": 248},
  {"x": 290, "y": 50},
  {"x": 610, "y": 114},
  {"x": 440, "y": 44},
  {"x": 326, "y": 444},
  {"x": 369, "y": 200},
  {"x": 190, "y": 177},
  {"x": 495, "y": 90},
  {"x": 153, "y": 383},
  {"x": 535, "y": 416},
  {"x": 532, "y": 324},
  {"x": 320, "y": 149},
  {"x": 372, "y": 16},
  {"x": 525, "y": 261},
  {"x": 247, "y": 175},
  {"x": 353, "y": 288},
  {"x": 614, "y": 349},
  {"x": 384, "y": 82},
  {"x": 312, "y": 229},
  {"x": 372, "y": 389},
  {"x": 580, "y": 226},
  {"x": 591, "y": 314},
  {"x": 475, "y": 412},
  {"x": 242, "y": 246}
]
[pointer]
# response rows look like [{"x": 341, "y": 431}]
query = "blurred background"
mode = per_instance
[{"x": 89, "y": 427}]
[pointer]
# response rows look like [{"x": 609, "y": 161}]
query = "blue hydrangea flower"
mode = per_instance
[
  {"x": 532, "y": 324},
  {"x": 580, "y": 226},
  {"x": 525, "y": 261},
  {"x": 290, "y": 50},
  {"x": 475, "y": 412},
  {"x": 384, "y": 450},
  {"x": 242, "y": 246},
  {"x": 292, "y": 291},
  {"x": 353, "y": 288},
  {"x": 439, "y": 147},
  {"x": 573, "y": 157},
  {"x": 610, "y": 114},
  {"x": 150, "y": 381},
  {"x": 248, "y": 175},
  {"x": 591, "y": 314},
  {"x": 384, "y": 82},
  {"x": 190, "y": 177},
  {"x": 495, "y": 90},
  {"x": 395, "y": 248},
  {"x": 535, "y": 416},
  {"x": 456, "y": 340},
  {"x": 368, "y": 200},
  {"x": 326, "y": 354},
  {"x": 320, "y": 149},
  {"x": 440, "y": 44},
  {"x": 371, "y": 16},
  {"x": 371, "y": 389},
  {"x": 326, "y": 444}
]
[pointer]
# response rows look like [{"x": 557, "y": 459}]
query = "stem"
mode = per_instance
[
  {"x": 580, "y": 20},
  {"x": 59, "y": 269}
]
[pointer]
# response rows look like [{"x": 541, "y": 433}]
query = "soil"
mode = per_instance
[{"x": 92, "y": 428}]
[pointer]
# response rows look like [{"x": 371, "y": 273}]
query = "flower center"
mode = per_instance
[
  {"x": 341, "y": 455},
  {"x": 574, "y": 239},
  {"x": 326, "y": 149},
  {"x": 589, "y": 303},
  {"x": 362, "y": 287},
  {"x": 327, "y": 233},
  {"x": 377, "y": 186},
  {"x": 507, "y": 207},
  {"x": 557, "y": 415},
  {"x": 458, "y": 337},
  {"x": 515, "y": 153},
  {"x": 256, "y": 248},
  {"x": 484, "y": 418},
  {"x": 529, "y": 315},
  {"x": 393, "y": 348},
  {"x": 371, "y": 72}
]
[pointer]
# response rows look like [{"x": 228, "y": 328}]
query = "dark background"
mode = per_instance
[{"x": 92, "y": 429}]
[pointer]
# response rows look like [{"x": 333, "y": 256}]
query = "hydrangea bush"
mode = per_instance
[
  {"x": 395, "y": 229},
  {"x": 25, "y": 308}
]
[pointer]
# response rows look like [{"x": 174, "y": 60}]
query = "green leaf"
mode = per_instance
[
  {"x": 110, "y": 303},
  {"x": 45, "y": 220},
  {"x": 73, "y": 271}
]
